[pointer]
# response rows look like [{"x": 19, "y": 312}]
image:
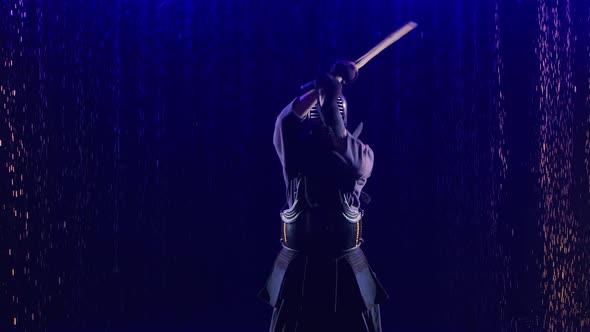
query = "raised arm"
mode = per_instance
[
  {"x": 289, "y": 130},
  {"x": 356, "y": 156},
  {"x": 305, "y": 102}
]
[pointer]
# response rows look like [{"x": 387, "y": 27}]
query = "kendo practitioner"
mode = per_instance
[{"x": 321, "y": 280}]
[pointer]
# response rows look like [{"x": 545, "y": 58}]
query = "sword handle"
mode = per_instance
[{"x": 392, "y": 38}]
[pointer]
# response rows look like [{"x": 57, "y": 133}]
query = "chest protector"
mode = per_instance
[{"x": 321, "y": 228}]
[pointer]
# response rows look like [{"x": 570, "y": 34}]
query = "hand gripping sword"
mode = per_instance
[{"x": 392, "y": 38}]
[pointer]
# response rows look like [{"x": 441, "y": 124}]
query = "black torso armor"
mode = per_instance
[{"x": 330, "y": 226}]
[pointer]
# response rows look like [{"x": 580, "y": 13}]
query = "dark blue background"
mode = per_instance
[{"x": 143, "y": 146}]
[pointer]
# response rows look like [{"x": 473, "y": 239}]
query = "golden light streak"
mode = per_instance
[{"x": 561, "y": 277}]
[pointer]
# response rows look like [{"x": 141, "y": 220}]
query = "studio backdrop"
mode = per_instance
[{"x": 140, "y": 190}]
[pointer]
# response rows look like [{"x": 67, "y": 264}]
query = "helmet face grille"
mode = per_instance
[{"x": 314, "y": 112}]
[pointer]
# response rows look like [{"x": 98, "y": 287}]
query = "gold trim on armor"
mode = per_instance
[{"x": 285, "y": 233}]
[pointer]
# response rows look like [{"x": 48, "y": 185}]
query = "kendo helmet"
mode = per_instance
[{"x": 314, "y": 114}]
